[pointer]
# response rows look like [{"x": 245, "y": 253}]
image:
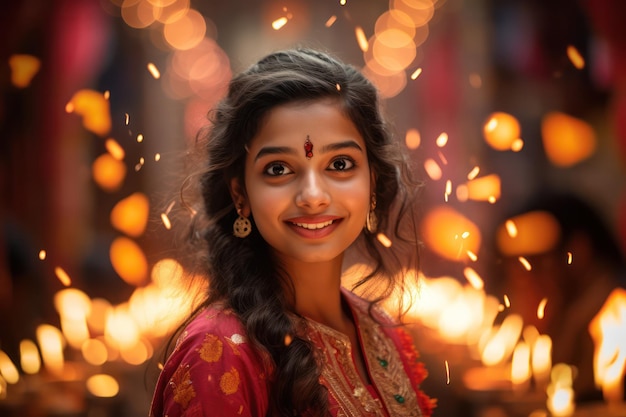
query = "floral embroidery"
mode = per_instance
[
  {"x": 211, "y": 349},
  {"x": 182, "y": 386},
  {"x": 229, "y": 382}
]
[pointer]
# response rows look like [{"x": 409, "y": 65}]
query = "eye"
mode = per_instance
[
  {"x": 276, "y": 169},
  {"x": 341, "y": 164}
]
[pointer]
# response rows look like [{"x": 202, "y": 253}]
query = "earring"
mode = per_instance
[
  {"x": 371, "y": 221},
  {"x": 242, "y": 226}
]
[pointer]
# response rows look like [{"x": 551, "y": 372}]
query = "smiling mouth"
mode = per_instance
[{"x": 314, "y": 226}]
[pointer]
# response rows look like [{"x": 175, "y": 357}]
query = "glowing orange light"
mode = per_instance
[
  {"x": 416, "y": 73},
  {"x": 94, "y": 109},
  {"x": 412, "y": 139},
  {"x": 29, "y": 357},
  {"x": 541, "y": 308},
  {"x": 442, "y": 140},
  {"x": 42, "y": 254},
  {"x": 473, "y": 173},
  {"x": 520, "y": 365},
  {"x": 501, "y": 130},
  {"x": 442, "y": 228},
  {"x": 23, "y": 69},
  {"x": 130, "y": 215},
  {"x": 51, "y": 344},
  {"x": 575, "y": 57},
  {"x": 570, "y": 258},
  {"x": 139, "y": 138},
  {"x": 511, "y": 229},
  {"x": 537, "y": 232},
  {"x": 485, "y": 188},
  {"x": 8, "y": 370},
  {"x": 129, "y": 261},
  {"x": 361, "y": 38},
  {"x": 384, "y": 240},
  {"x": 527, "y": 266},
  {"x": 447, "y": 373},
  {"x": 331, "y": 20},
  {"x": 114, "y": 148},
  {"x": 279, "y": 23},
  {"x": 154, "y": 71},
  {"x": 507, "y": 301},
  {"x": 94, "y": 351},
  {"x": 102, "y": 385},
  {"x": 432, "y": 169},
  {"x": 566, "y": 139},
  {"x": 166, "y": 221},
  {"x": 473, "y": 278},
  {"x": 108, "y": 172},
  {"x": 62, "y": 276}
]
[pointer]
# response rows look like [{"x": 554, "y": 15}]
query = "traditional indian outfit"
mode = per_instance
[{"x": 215, "y": 371}]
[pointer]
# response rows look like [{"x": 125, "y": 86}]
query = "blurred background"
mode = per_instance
[{"x": 513, "y": 112}]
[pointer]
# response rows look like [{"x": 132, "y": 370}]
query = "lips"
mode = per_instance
[{"x": 314, "y": 228}]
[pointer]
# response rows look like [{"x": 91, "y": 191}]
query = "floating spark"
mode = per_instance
[
  {"x": 570, "y": 258},
  {"x": 525, "y": 263},
  {"x": 279, "y": 23},
  {"x": 166, "y": 221},
  {"x": 442, "y": 139},
  {"x": 139, "y": 138},
  {"x": 384, "y": 240},
  {"x": 575, "y": 58},
  {"x": 511, "y": 229},
  {"x": 361, "y": 39},
  {"x": 541, "y": 308},
  {"x": 447, "y": 373},
  {"x": 154, "y": 71},
  {"x": 507, "y": 302},
  {"x": 416, "y": 73},
  {"x": 331, "y": 20},
  {"x": 42, "y": 254},
  {"x": 62, "y": 276},
  {"x": 473, "y": 173}
]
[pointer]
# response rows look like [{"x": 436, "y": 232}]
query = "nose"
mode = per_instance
[{"x": 313, "y": 192}]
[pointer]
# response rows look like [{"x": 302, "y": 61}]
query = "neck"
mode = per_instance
[{"x": 317, "y": 291}]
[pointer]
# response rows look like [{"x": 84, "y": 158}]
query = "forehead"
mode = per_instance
[{"x": 323, "y": 121}]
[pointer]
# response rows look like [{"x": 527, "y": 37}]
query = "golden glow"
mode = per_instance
[
  {"x": 51, "y": 345},
  {"x": 114, "y": 148},
  {"x": 412, "y": 139},
  {"x": 473, "y": 278},
  {"x": 541, "y": 358},
  {"x": 154, "y": 71},
  {"x": 94, "y": 109},
  {"x": 537, "y": 232},
  {"x": 433, "y": 169},
  {"x": 566, "y": 139},
  {"x": 130, "y": 215},
  {"x": 23, "y": 69},
  {"x": 108, "y": 172},
  {"x": 443, "y": 228},
  {"x": 520, "y": 365},
  {"x": 62, "y": 276},
  {"x": 384, "y": 240},
  {"x": 186, "y": 32},
  {"x": 416, "y": 73},
  {"x": 485, "y": 188},
  {"x": 541, "y": 308},
  {"x": 607, "y": 330},
  {"x": 279, "y": 23},
  {"x": 442, "y": 139},
  {"x": 331, "y": 20},
  {"x": 501, "y": 130},
  {"x": 102, "y": 385},
  {"x": 560, "y": 400},
  {"x": 361, "y": 38},
  {"x": 29, "y": 357},
  {"x": 575, "y": 57},
  {"x": 94, "y": 351},
  {"x": 8, "y": 370},
  {"x": 527, "y": 266},
  {"x": 129, "y": 261}
]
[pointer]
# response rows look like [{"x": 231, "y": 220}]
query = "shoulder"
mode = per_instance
[{"x": 213, "y": 364}]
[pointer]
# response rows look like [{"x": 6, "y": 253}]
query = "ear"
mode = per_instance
[{"x": 239, "y": 196}]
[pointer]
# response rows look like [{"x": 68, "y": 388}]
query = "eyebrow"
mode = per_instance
[{"x": 271, "y": 150}]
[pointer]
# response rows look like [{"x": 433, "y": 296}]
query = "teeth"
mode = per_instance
[{"x": 313, "y": 226}]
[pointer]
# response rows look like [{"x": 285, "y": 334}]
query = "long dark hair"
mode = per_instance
[{"x": 242, "y": 272}]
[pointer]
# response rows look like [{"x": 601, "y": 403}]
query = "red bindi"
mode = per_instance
[{"x": 308, "y": 148}]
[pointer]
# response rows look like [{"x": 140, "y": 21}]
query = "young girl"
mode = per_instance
[{"x": 300, "y": 168}]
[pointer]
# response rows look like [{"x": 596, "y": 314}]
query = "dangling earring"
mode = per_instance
[
  {"x": 242, "y": 226},
  {"x": 371, "y": 221}
]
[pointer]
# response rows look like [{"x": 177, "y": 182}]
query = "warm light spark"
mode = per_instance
[
  {"x": 442, "y": 139},
  {"x": 447, "y": 373},
  {"x": 115, "y": 149},
  {"x": 473, "y": 278},
  {"x": 157, "y": 157},
  {"x": 279, "y": 23},
  {"x": 492, "y": 199},
  {"x": 154, "y": 71},
  {"x": 42, "y": 254},
  {"x": 416, "y": 73},
  {"x": 465, "y": 235},
  {"x": 575, "y": 57},
  {"x": 361, "y": 38},
  {"x": 170, "y": 206},
  {"x": 448, "y": 190},
  {"x": 62, "y": 276},
  {"x": 139, "y": 138},
  {"x": 517, "y": 145},
  {"x": 525, "y": 263},
  {"x": 511, "y": 228},
  {"x": 570, "y": 258},
  {"x": 432, "y": 169},
  {"x": 384, "y": 240},
  {"x": 507, "y": 301},
  {"x": 331, "y": 20},
  {"x": 343, "y": 2},
  {"x": 288, "y": 339},
  {"x": 473, "y": 173},
  {"x": 338, "y": 87},
  {"x": 472, "y": 256},
  {"x": 126, "y": 119},
  {"x": 107, "y": 95},
  {"x": 8, "y": 369},
  {"x": 166, "y": 221},
  {"x": 541, "y": 308}
]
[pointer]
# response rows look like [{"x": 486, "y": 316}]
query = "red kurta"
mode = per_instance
[{"x": 214, "y": 371}]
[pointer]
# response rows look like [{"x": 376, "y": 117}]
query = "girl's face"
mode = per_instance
[{"x": 307, "y": 181}]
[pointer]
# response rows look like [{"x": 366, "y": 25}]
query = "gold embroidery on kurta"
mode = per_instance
[
  {"x": 211, "y": 348},
  {"x": 229, "y": 382},
  {"x": 182, "y": 386}
]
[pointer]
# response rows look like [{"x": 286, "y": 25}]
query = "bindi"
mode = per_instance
[{"x": 308, "y": 148}]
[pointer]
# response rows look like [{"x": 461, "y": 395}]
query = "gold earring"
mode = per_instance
[
  {"x": 371, "y": 221},
  {"x": 242, "y": 226}
]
